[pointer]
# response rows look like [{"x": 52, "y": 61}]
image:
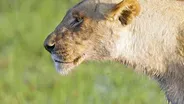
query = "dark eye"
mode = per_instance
[{"x": 77, "y": 21}]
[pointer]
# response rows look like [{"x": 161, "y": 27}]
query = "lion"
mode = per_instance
[{"x": 147, "y": 35}]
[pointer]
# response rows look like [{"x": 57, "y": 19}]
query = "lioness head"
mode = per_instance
[{"x": 91, "y": 30}]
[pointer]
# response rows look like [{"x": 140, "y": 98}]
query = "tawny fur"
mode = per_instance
[{"x": 147, "y": 35}]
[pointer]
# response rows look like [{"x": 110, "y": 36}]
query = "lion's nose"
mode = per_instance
[
  {"x": 49, "y": 47},
  {"x": 49, "y": 43}
]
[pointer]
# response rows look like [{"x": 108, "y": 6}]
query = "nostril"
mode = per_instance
[
  {"x": 49, "y": 42},
  {"x": 49, "y": 47}
]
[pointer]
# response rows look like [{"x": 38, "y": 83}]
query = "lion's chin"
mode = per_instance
[{"x": 64, "y": 68}]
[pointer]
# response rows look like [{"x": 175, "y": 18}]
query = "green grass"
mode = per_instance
[{"x": 28, "y": 76}]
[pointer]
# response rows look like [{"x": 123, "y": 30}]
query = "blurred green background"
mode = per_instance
[{"x": 28, "y": 76}]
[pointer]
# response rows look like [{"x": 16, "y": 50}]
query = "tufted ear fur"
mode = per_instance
[{"x": 125, "y": 11}]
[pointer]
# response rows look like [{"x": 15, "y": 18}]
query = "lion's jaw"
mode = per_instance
[{"x": 65, "y": 67}]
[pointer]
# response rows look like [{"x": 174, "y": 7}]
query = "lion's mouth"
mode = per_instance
[
  {"x": 75, "y": 61},
  {"x": 64, "y": 67},
  {"x": 62, "y": 62}
]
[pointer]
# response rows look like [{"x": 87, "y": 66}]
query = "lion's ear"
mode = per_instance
[{"x": 125, "y": 11}]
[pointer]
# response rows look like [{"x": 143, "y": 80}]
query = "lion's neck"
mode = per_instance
[
  {"x": 147, "y": 53},
  {"x": 135, "y": 54},
  {"x": 173, "y": 85}
]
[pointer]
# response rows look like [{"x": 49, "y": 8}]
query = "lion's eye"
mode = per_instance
[{"x": 77, "y": 21}]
